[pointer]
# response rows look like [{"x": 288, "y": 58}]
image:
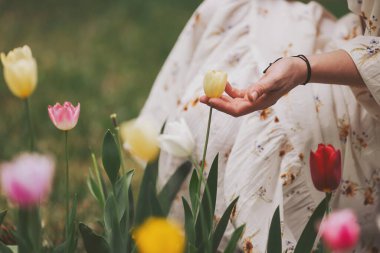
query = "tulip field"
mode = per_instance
[
  {"x": 91, "y": 52},
  {"x": 73, "y": 75}
]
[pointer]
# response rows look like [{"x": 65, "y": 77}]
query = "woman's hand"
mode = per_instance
[
  {"x": 279, "y": 79},
  {"x": 335, "y": 67}
]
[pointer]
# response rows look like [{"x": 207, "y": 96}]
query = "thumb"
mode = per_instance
[{"x": 258, "y": 89}]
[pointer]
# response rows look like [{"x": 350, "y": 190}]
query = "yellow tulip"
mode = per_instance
[
  {"x": 140, "y": 138},
  {"x": 20, "y": 71},
  {"x": 214, "y": 83},
  {"x": 158, "y": 235}
]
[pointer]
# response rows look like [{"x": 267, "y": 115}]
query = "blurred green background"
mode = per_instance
[{"x": 103, "y": 54}]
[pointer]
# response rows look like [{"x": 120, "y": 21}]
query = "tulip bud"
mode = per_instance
[
  {"x": 178, "y": 140},
  {"x": 27, "y": 179},
  {"x": 140, "y": 137},
  {"x": 64, "y": 117},
  {"x": 159, "y": 235},
  {"x": 340, "y": 231},
  {"x": 20, "y": 71},
  {"x": 326, "y": 168},
  {"x": 214, "y": 83}
]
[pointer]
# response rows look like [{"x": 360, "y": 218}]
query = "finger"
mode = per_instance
[
  {"x": 204, "y": 99},
  {"x": 237, "y": 107},
  {"x": 226, "y": 98},
  {"x": 259, "y": 88},
  {"x": 234, "y": 92}
]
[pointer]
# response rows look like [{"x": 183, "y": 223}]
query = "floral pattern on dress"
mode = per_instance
[{"x": 369, "y": 51}]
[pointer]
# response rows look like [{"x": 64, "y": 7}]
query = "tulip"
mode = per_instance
[
  {"x": 159, "y": 235},
  {"x": 340, "y": 231},
  {"x": 20, "y": 71},
  {"x": 64, "y": 117},
  {"x": 214, "y": 83},
  {"x": 140, "y": 138},
  {"x": 27, "y": 180},
  {"x": 326, "y": 168},
  {"x": 178, "y": 140}
]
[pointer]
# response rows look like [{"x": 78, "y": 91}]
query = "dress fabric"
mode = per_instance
[{"x": 263, "y": 156}]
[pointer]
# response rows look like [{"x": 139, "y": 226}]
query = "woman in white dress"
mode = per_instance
[{"x": 264, "y": 154}]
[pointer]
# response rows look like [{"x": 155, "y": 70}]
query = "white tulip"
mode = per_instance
[{"x": 178, "y": 139}]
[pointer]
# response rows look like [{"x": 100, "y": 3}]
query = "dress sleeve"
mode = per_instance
[{"x": 365, "y": 52}]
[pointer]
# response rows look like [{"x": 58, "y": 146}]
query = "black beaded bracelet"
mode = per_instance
[{"x": 301, "y": 56}]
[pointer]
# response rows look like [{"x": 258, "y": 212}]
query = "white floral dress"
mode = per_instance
[{"x": 263, "y": 157}]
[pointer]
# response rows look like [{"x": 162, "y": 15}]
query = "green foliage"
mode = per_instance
[
  {"x": 28, "y": 233},
  {"x": 168, "y": 192},
  {"x": 111, "y": 157},
  {"x": 222, "y": 225},
  {"x": 202, "y": 233},
  {"x": 2, "y": 216},
  {"x": 308, "y": 236},
  {"x": 274, "y": 244},
  {"x": 120, "y": 215},
  {"x": 71, "y": 229},
  {"x": 236, "y": 235},
  {"x": 4, "y": 248},
  {"x": 93, "y": 243},
  {"x": 307, "y": 239}
]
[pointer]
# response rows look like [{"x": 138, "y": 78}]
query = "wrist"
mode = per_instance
[{"x": 300, "y": 71}]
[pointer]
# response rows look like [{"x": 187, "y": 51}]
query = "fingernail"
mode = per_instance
[{"x": 254, "y": 96}]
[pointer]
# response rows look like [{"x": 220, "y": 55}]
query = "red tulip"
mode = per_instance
[{"x": 326, "y": 168}]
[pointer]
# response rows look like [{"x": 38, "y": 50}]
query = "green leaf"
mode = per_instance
[
  {"x": 144, "y": 208},
  {"x": 307, "y": 238},
  {"x": 202, "y": 232},
  {"x": 193, "y": 191},
  {"x": 111, "y": 157},
  {"x": 29, "y": 230},
  {"x": 236, "y": 235},
  {"x": 4, "y": 248},
  {"x": 93, "y": 243},
  {"x": 222, "y": 225},
  {"x": 155, "y": 204},
  {"x": 210, "y": 192},
  {"x": 113, "y": 230},
  {"x": 204, "y": 221},
  {"x": 122, "y": 187},
  {"x": 2, "y": 216},
  {"x": 98, "y": 179},
  {"x": 71, "y": 232},
  {"x": 95, "y": 190},
  {"x": 274, "y": 244},
  {"x": 171, "y": 188},
  {"x": 189, "y": 222}
]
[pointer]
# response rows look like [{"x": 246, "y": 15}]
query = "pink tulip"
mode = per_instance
[
  {"x": 27, "y": 180},
  {"x": 64, "y": 117},
  {"x": 340, "y": 231}
]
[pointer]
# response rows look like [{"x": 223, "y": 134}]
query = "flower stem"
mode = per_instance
[
  {"x": 67, "y": 180},
  {"x": 30, "y": 125},
  {"x": 206, "y": 142},
  {"x": 201, "y": 171},
  {"x": 327, "y": 212}
]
